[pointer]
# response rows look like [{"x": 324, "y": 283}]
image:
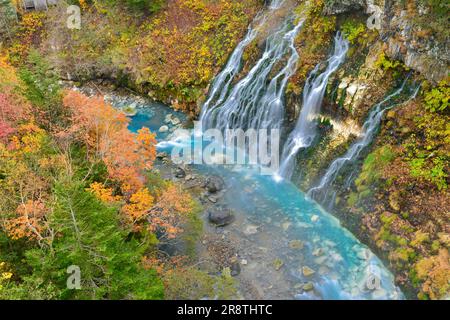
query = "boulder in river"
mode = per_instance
[
  {"x": 220, "y": 216},
  {"x": 163, "y": 129},
  {"x": 175, "y": 121},
  {"x": 214, "y": 184},
  {"x": 168, "y": 118},
  {"x": 179, "y": 173}
]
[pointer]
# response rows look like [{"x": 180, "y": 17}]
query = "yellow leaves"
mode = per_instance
[
  {"x": 29, "y": 25},
  {"x": 4, "y": 275},
  {"x": 138, "y": 205},
  {"x": 435, "y": 272},
  {"x": 182, "y": 46},
  {"x": 103, "y": 193},
  {"x": 30, "y": 139},
  {"x": 8, "y": 76},
  {"x": 196, "y": 5},
  {"x": 146, "y": 142},
  {"x": 83, "y": 4}
]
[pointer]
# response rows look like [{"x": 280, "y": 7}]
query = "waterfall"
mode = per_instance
[
  {"x": 305, "y": 130},
  {"x": 321, "y": 191},
  {"x": 222, "y": 82},
  {"x": 255, "y": 101}
]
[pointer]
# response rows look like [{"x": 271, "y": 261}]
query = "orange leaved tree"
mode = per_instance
[{"x": 104, "y": 131}]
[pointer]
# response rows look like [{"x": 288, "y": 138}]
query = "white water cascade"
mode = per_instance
[
  {"x": 305, "y": 130},
  {"x": 256, "y": 101},
  {"x": 321, "y": 191}
]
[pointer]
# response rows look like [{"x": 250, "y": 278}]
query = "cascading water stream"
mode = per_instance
[
  {"x": 321, "y": 191},
  {"x": 222, "y": 82},
  {"x": 255, "y": 102},
  {"x": 305, "y": 130}
]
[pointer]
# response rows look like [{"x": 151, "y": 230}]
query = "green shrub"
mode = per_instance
[
  {"x": 436, "y": 99},
  {"x": 433, "y": 172}
]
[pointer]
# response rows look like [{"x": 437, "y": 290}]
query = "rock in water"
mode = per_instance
[
  {"x": 168, "y": 118},
  {"x": 235, "y": 269},
  {"x": 161, "y": 155},
  {"x": 214, "y": 184},
  {"x": 307, "y": 271},
  {"x": 163, "y": 129},
  {"x": 220, "y": 216},
  {"x": 180, "y": 173},
  {"x": 296, "y": 244},
  {"x": 249, "y": 230},
  {"x": 309, "y": 286},
  {"x": 278, "y": 264}
]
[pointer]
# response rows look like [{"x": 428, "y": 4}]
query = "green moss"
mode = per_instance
[
  {"x": 352, "y": 199},
  {"x": 193, "y": 230},
  {"x": 372, "y": 170},
  {"x": 352, "y": 30}
]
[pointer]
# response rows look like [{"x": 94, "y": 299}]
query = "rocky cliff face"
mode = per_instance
[{"x": 409, "y": 38}]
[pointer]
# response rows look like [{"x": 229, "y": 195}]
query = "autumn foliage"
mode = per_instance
[
  {"x": 53, "y": 200},
  {"x": 13, "y": 108},
  {"x": 127, "y": 156},
  {"x": 104, "y": 132}
]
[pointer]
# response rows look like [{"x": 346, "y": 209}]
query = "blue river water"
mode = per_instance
[{"x": 329, "y": 258}]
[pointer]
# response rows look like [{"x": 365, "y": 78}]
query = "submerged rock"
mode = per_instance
[
  {"x": 175, "y": 121},
  {"x": 220, "y": 216},
  {"x": 249, "y": 230},
  {"x": 296, "y": 244},
  {"x": 213, "y": 199},
  {"x": 318, "y": 252},
  {"x": 286, "y": 225},
  {"x": 309, "y": 286},
  {"x": 320, "y": 260},
  {"x": 307, "y": 271}
]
